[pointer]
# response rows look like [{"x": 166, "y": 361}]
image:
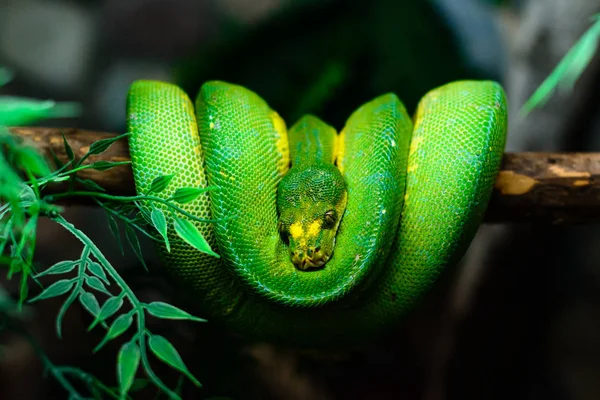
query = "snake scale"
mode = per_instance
[{"x": 324, "y": 238}]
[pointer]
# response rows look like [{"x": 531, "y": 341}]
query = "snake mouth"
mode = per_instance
[{"x": 304, "y": 262}]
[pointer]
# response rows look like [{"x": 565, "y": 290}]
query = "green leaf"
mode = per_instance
[
  {"x": 68, "y": 148},
  {"x": 160, "y": 183},
  {"x": 168, "y": 311},
  {"x": 110, "y": 307},
  {"x": 135, "y": 244},
  {"x": 138, "y": 385},
  {"x": 23, "y": 111},
  {"x": 104, "y": 165},
  {"x": 166, "y": 352},
  {"x": 97, "y": 270},
  {"x": 97, "y": 284},
  {"x": 120, "y": 325},
  {"x": 58, "y": 162},
  {"x": 102, "y": 145},
  {"x": 59, "y": 179},
  {"x": 61, "y": 267},
  {"x": 568, "y": 70},
  {"x": 30, "y": 159},
  {"x": 56, "y": 289},
  {"x": 90, "y": 303},
  {"x": 90, "y": 184},
  {"x": 160, "y": 223},
  {"x": 128, "y": 361},
  {"x": 63, "y": 311},
  {"x": 114, "y": 230},
  {"x": 187, "y": 195},
  {"x": 192, "y": 236}
]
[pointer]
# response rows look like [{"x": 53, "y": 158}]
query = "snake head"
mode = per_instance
[{"x": 311, "y": 202}]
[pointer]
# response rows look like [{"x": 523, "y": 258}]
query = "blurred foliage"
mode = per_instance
[{"x": 568, "y": 70}]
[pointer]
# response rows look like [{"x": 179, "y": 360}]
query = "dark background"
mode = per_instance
[{"x": 519, "y": 319}]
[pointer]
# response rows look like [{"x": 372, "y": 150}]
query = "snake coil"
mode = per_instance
[{"x": 417, "y": 190}]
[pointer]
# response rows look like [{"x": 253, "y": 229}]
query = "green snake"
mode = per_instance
[{"x": 323, "y": 238}]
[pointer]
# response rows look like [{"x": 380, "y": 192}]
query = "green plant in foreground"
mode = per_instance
[
  {"x": 23, "y": 176},
  {"x": 568, "y": 70}
]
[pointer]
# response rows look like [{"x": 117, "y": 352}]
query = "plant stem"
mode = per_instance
[
  {"x": 126, "y": 290},
  {"x": 129, "y": 199}
]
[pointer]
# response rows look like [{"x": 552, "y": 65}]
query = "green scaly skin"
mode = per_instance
[{"x": 415, "y": 197}]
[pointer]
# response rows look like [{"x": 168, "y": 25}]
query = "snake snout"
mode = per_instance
[{"x": 310, "y": 259}]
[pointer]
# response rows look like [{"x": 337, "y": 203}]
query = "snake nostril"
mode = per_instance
[{"x": 317, "y": 249}]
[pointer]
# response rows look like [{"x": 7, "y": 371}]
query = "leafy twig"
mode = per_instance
[
  {"x": 568, "y": 70},
  {"x": 22, "y": 205}
]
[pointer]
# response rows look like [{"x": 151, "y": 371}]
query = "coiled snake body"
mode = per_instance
[{"x": 339, "y": 247}]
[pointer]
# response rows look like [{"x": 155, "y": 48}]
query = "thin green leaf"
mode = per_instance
[
  {"x": 135, "y": 244},
  {"x": 160, "y": 183},
  {"x": 97, "y": 270},
  {"x": 120, "y": 325},
  {"x": 114, "y": 230},
  {"x": 23, "y": 111},
  {"x": 56, "y": 289},
  {"x": 59, "y": 179},
  {"x": 61, "y": 267},
  {"x": 90, "y": 303},
  {"x": 166, "y": 352},
  {"x": 138, "y": 385},
  {"x": 96, "y": 284},
  {"x": 63, "y": 311},
  {"x": 187, "y": 195},
  {"x": 110, "y": 307},
  {"x": 192, "y": 236},
  {"x": 104, "y": 165},
  {"x": 90, "y": 184},
  {"x": 73, "y": 295},
  {"x": 568, "y": 70},
  {"x": 23, "y": 289},
  {"x": 3, "y": 211},
  {"x": 102, "y": 145},
  {"x": 68, "y": 148},
  {"x": 128, "y": 361},
  {"x": 30, "y": 159},
  {"x": 168, "y": 311},
  {"x": 55, "y": 158},
  {"x": 160, "y": 223}
]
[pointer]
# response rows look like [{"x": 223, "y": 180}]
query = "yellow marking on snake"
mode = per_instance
[
  {"x": 281, "y": 142},
  {"x": 414, "y": 145},
  {"x": 296, "y": 230},
  {"x": 314, "y": 228},
  {"x": 340, "y": 148}
]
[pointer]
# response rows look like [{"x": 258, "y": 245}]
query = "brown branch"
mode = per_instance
[
  {"x": 117, "y": 180},
  {"x": 531, "y": 187}
]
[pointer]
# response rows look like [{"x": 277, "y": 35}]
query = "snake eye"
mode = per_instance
[
  {"x": 283, "y": 231},
  {"x": 329, "y": 219}
]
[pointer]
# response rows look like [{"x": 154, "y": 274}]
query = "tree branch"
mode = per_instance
[{"x": 531, "y": 187}]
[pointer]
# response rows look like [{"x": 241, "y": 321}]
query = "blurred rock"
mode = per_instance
[
  {"x": 50, "y": 43},
  {"x": 251, "y": 11},
  {"x": 475, "y": 26},
  {"x": 157, "y": 28},
  {"x": 112, "y": 86}
]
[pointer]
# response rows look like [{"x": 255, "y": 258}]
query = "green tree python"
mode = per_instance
[{"x": 323, "y": 238}]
